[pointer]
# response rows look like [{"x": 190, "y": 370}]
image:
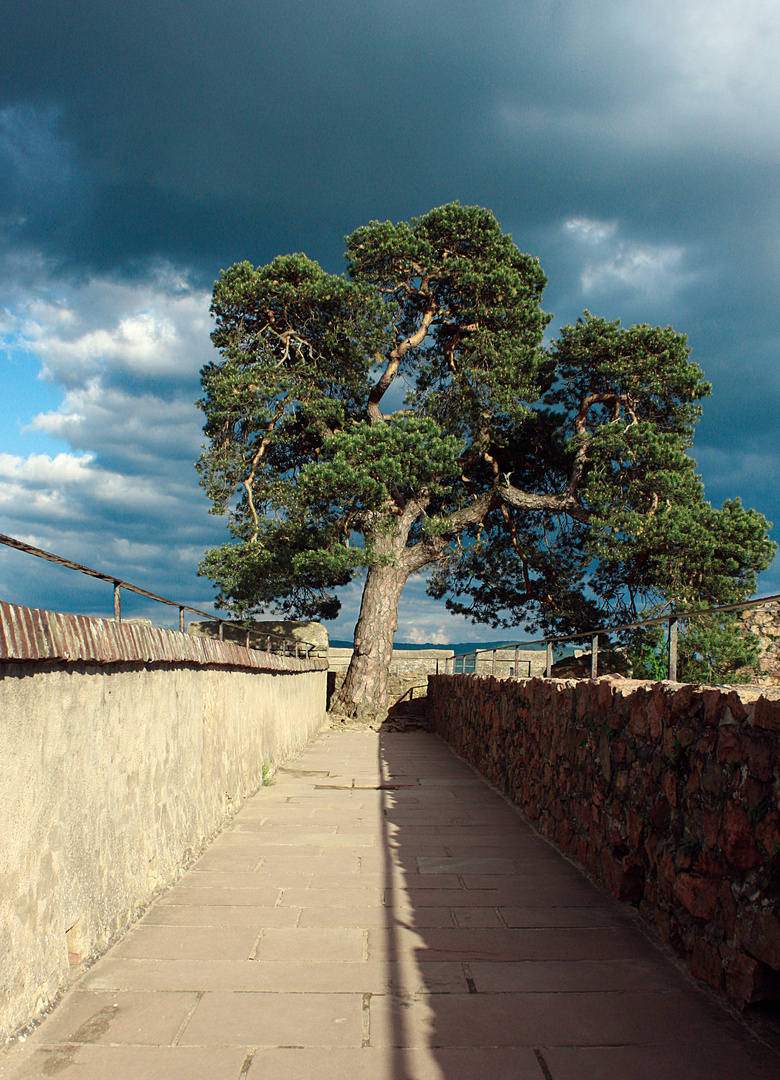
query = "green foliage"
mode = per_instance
[
  {"x": 716, "y": 649},
  {"x": 547, "y": 485},
  {"x": 649, "y": 660},
  {"x": 712, "y": 649},
  {"x": 690, "y": 846}
]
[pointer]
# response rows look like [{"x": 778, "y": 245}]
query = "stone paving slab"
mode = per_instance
[
  {"x": 222, "y": 915},
  {"x": 132, "y": 1062},
  {"x": 290, "y": 976},
  {"x": 275, "y": 1019},
  {"x": 379, "y": 913},
  {"x": 141, "y": 1017},
  {"x": 370, "y": 1063}
]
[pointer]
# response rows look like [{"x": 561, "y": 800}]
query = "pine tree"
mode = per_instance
[{"x": 545, "y": 484}]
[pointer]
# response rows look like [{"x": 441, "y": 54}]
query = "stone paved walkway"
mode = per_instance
[{"x": 378, "y": 913}]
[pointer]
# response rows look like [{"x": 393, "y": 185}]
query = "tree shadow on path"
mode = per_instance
[{"x": 506, "y": 962}]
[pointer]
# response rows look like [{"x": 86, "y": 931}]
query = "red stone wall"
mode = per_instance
[{"x": 668, "y": 794}]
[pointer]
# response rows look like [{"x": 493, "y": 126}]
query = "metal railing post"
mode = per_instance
[
  {"x": 517, "y": 661},
  {"x": 181, "y": 620},
  {"x": 594, "y": 658},
  {"x": 673, "y": 628},
  {"x": 548, "y": 660},
  {"x": 221, "y": 631},
  {"x": 493, "y": 664},
  {"x": 117, "y": 601}
]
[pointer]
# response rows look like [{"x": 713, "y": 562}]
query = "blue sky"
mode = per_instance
[{"x": 634, "y": 147}]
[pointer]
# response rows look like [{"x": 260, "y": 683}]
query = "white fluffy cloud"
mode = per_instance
[
  {"x": 157, "y": 329},
  {"x": 124, "y": 495},
  {"x": 76, "y": 491},
  {"x": 145, "y": 431},
  {"x": 612, "y": 262}
]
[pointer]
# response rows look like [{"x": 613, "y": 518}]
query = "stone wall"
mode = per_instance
[
  {"x": 404, "y": 661},
  {"x": 274, "y": 635},
  {"x": 668, "y": 794},
  {"x": 124, "y": 749},
  {"x": 503, "y": 662},
  {"x": 764, "y": 622},
  {"x": 400, "y": 687}
]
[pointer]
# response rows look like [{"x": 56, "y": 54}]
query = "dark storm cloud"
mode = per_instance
[
  {"x": 200, "y": 125},
  {"x": 205, "y": 128},
  {"x": 206, "y": 133}
]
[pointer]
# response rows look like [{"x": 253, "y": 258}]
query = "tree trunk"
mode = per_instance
[{"x": 363, "y": 695}]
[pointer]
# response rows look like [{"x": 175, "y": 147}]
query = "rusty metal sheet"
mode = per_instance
[
  {"x": 9, "y": 631},
  {"x": 28, "y": 634},
  {"x": 6, "y": 644}
]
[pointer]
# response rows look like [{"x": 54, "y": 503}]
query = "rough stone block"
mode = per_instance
[
  {"x": 766, "y": 714},
  {"x": 706, "y": 965},
  {"x": 729, "y": 744},
  {"x": 698, "y": 895},
  {"x": 758, "y": 933},
  {"x": 623, "y": 877},
  {"x": 737, "y": 838},
  {"x": 744, "y": 979}
]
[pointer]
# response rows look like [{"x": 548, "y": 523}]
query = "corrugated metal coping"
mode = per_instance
[{"x": 34, "y": 634}]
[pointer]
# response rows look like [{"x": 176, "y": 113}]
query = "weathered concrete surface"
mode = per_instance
[
  {"x": 111, "y": 777},
  {"x": 380, "y": 913}
]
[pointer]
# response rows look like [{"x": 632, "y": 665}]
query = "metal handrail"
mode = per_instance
[
  {"x": 672, "y": 620},
  {"x": 119, "y": 584}
]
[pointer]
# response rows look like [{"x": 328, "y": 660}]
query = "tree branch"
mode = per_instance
[
  {"x": 581, "y": 430},
  {"x": 510, "y": 524},
  {"x": 394, "y": 360},
  {"x": 261, "y": 451},
  {"x": 556, "y": 504},
  {"x": 427, "y": 551}
]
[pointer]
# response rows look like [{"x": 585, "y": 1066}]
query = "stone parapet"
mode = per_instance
[
  {"x": 668, "y": 794},
  {"x": 404, "y": 661}
]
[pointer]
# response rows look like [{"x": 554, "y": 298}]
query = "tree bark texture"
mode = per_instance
[{"x": 363, "y": 695}]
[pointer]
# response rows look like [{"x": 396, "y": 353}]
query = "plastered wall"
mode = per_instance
[{"x": 112, "y": 776}]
